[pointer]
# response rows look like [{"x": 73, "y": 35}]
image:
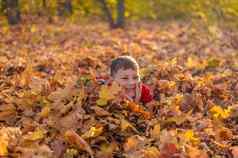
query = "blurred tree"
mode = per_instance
[
  {"x": 120, "y": 13},
  {"x": 12, "y": 11},
  {"x": 64, "y": 7},
  {"x": 2, "y": 6},
  {"x": 107, "y": 12},
  {"x": 211, "y": 12},
  {"x": 44, "y": 4}
]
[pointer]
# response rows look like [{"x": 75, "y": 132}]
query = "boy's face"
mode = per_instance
[{"x": 127, "y": 78}]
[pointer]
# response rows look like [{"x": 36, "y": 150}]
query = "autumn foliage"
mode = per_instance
[{"x": 51, "y": 104}]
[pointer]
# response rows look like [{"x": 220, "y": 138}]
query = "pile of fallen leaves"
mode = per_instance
[{"x": 51, "y": 104}]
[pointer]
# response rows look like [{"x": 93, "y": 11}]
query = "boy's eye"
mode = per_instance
[
  {"x": 125, "y": 78},
  {"x": 136, "y": 77}
]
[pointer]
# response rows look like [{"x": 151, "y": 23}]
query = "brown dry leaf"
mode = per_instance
[
  {"x": 25, "y": 77},
  {"x": 223, "y": 134},
  {"x": 38, "y": 151},
  {"x": 7, "y": 111},
  {"x": 74, "y": 139},
  {"x": 179, "y": 119},
  {"x": 70, "y": 121},
  {"x": 100, "y": 111},
  {"x": 37, "y": 84},
  {"x": 61, "y": 94},
  {"x": 58, "y": 147}
]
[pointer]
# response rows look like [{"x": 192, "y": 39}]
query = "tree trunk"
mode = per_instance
[
  {"x": 120, "y": 19},
  {"x": 12, "y": 11},
  {"x": 44, "y": 4},
  {"x": 120, "y": 13},
  {"x": 107, "y": 13},
  {"x": 65, "y": 7}
]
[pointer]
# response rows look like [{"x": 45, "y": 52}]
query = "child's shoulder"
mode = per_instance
[{"x": 145, "y": 86}]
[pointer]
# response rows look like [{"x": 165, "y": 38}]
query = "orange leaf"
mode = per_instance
[
  {"x": 133, "y": 142},
  {"x": 196, "y": 153},
  {"x": 73, "y": 138},
  {"x": 138, "y": 109}
]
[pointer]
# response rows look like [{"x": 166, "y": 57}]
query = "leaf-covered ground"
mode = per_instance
[{"x": 50, "y": 100}]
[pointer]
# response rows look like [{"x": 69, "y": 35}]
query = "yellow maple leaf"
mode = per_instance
[
  {"x": 36, "y": 135},
  {"x": 125, "y": 125},
  {"x": 108, "y": 93},
  {"x": 213, "y": 62},
  {"x": 3, "y": 146},
  {"x": 45, "y": 111},
  {"x": 220, "y": 113},
  {"x": 105, "y": 93},
  {"x": 107, "y": 150},
  {"x": 7, "y": 135},
  {"x": 102, "y": 102},
  {"x": 33, "y": 29},
  {"x": 93, "y": 132},
  {"x": 155, "y": 132},
  {"x": 193, "y": 62},
  {"x": 189, "y": 136},
  {"x": 71, "y": 152}
]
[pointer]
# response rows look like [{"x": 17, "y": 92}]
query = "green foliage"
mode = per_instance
[
  {"x": 141, "y": 9},
  {"x": 209, "y": 11}
]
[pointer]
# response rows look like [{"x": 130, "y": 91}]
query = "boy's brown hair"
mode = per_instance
[{"x": 123, "y": 62}]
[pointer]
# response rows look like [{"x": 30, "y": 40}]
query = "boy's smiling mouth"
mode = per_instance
[{"x": 130, "y": 87}]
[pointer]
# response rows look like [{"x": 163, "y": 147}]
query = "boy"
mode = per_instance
[{"x": 125, "y": 72}]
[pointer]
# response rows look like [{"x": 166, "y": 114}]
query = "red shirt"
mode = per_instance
[{"x": 146, "y": 94}]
